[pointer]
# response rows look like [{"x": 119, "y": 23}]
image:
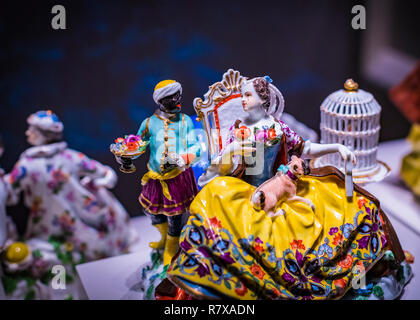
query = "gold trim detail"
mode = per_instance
[
  {"x": 231, "y": 84},
  {"x": 351, "y": 86}
]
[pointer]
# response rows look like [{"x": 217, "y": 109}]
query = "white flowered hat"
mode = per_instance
[{"x": 46, "y": 120}]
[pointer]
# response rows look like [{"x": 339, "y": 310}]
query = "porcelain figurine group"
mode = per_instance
[{"x": 263, "y": 226}]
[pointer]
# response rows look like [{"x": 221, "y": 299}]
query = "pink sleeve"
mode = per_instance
[{"x": 294, "y": 142}]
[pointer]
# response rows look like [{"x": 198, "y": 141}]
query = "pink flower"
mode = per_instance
[
  {"x": 132, "y": 138},
  {"x": 89, "y": 165},
  {"x": 39, "y": 268},
  {"x": 261, "y": 135}
]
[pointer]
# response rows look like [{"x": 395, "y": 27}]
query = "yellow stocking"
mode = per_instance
[
  {"x": 171, "y": 247},
  {"x": 163, "y": 230}
]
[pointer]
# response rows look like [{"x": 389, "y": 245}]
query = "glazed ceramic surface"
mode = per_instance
[
  {"x": 175, "y": 135},
  {"x": 351, "y": 116},
  {"x": 231, "y": 249},
  {"x": 62, "y": 207}
]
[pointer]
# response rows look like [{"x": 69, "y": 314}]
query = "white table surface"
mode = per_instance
[{"x": 118, "y": 277}]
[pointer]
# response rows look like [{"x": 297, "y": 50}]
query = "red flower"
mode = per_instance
[
  {"x": 346, "y": 262},
  {"x": 361, "y": 202},
  {"x": 257, "y": 271},
  {"x": 242, "y": 133},
  {"x": 276, "y": 292},
  {"x": 297, "y": 244},
  {"x": 338, "y": 238},
  {"x": 258, "y": 248},
  {"x": 132, "y": 146},
  {"x": 215, "y": 223},
  {"x": 242, "y": 290},
  {"x": 272, "y": 134},
  {"x": 340, "y": 283}
]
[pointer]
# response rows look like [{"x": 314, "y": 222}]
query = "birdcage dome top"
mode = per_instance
[
  {"x": 351, "y": 101},
  {"x": 351, "y": 117}
]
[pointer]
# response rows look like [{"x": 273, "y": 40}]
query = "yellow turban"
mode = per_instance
[{"x": 166, "y": 88}]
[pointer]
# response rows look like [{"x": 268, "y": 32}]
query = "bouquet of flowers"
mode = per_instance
[
  {"x": 266, "y": 135},
  {"x": 126, "y": 149}
]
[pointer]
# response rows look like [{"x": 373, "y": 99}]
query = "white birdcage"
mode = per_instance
[{"x": 351, "y": 116}]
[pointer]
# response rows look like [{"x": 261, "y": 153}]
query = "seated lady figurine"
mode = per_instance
[
  {"x": 229, "y": 249},
  {"x": 66, "y": 193}
]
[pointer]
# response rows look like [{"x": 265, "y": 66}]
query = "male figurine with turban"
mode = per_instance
[{"x": 169, "y": 186}]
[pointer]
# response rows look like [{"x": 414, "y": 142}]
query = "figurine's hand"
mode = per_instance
[
  {"x": 188, "y": 157},
  {"x": 243, "y": 148},
  {"x": 85, "y": 181},
  {"x": 346, "y": 154},
  {"x": 103, "y": 183},
  {"x": 176, "y": 159},
  {"x": 108, "y": 181},
  {"x": 240, "y": 147}
]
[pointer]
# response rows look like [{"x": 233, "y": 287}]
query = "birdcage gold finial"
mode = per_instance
[{"x": 350, "y": 85}]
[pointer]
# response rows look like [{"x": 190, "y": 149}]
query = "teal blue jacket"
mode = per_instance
[{"x": 169, "y": 136}]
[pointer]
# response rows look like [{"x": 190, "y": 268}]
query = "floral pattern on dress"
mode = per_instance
[
  {"x": 249, "y": 268},
  {"x": 58, "y": 180},
  {"x": 60, "y": 205},
  {"x": 292, "y": 138},
  {"x": 265, "y": 134}
]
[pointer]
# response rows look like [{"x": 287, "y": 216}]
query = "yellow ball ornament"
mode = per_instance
[{"x": 17, "y": 252}]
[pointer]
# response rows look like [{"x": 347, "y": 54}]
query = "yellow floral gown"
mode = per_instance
[{"x": 230, "y": 250}]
